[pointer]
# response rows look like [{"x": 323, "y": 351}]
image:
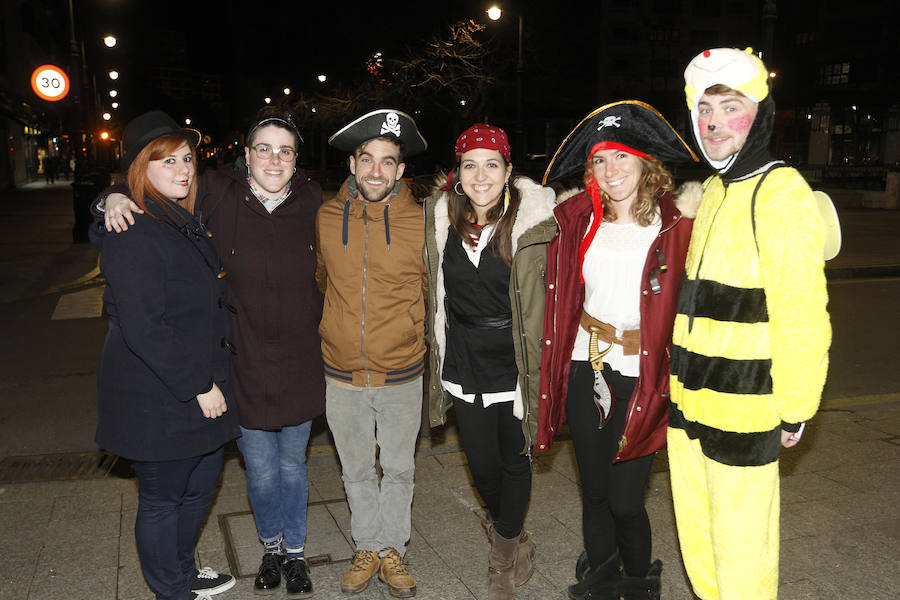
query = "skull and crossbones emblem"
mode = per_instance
[
  {"x": 612, "y": 121},
  {"x": 391, "y": 124}
]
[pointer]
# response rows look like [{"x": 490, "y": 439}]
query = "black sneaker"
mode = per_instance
[
  {"x": 296, "y": 578},
  {"x": 268, "y": 578},
  {"x": 207, "y": 582}
]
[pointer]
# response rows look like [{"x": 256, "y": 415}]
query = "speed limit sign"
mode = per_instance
[{"x": 50, "y": 82}]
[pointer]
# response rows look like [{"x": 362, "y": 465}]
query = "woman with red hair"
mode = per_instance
[{"x": 165, "y": 395}]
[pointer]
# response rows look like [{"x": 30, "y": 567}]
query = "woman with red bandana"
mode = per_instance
[
  {"x": 486, "y": 235},
  {"x": 613, "y": 278}
]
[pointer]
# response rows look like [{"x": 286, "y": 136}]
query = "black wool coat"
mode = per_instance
[
  {"x": 168, "y": 340},
  {"x": 271, "y": 264}
]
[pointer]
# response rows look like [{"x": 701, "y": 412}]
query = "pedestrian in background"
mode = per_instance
[
  {"x": 614, "y": 273},
  {"x": 372, "y": 273},
  {"x": 750, "y": 345},
  {"x": 486, "y": 235},
  {"x": 261, "y": 212},
  {"x": 165, "y": 383}
]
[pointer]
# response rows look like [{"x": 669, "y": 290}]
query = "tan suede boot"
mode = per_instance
[
  {"x": 525, "y": 559},
  {"x": 393, "y": 572},
  {"x": 362, "y": 567},
  {"x": 502, "y": 567}
]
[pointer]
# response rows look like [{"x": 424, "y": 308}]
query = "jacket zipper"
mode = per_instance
[
  {"x": 623, "y": 440},
  {"x": 365, "y": 268}
]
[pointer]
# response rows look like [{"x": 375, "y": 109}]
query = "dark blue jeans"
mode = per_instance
[
  {"x": 277, "y": 483},
  {"x": 173, "y": 501}
]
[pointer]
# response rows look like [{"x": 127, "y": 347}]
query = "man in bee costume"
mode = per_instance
[{"x": 751, "y": 336}]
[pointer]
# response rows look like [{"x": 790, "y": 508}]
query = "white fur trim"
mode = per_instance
[{"x": 536, "y": 205}]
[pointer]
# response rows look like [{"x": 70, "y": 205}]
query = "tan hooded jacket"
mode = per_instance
[{"x": 371, "y": 271}]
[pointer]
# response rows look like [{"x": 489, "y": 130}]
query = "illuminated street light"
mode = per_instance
[
  {"x": 115, "y": 105},
  {"x": 322, "y": 78},
  {"x": 772, "y": 75},
  {"x": 104, "y": 135},
  {"x": 110, "y": 41},
  {"x": 494, "y": 13},
  {"x": 187, "y": 121},
  {"x": 113, "y": 93},
  {"x": 107, "y": 116},
  {"x": 267, "y": 100},
  {"x": 113, "y": 75},
  {"x": 287, "y": 91}
]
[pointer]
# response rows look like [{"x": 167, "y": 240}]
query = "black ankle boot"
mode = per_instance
[
  {"x": 642, "y": 588},
  {"x": 582, "y": 566},
  {"x": 600, "y": 584}
]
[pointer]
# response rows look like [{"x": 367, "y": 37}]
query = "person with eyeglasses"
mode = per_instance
[{"x": 261, "y": 212}]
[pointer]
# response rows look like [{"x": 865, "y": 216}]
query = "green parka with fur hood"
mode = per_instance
[{"x": 532, "y": 231}]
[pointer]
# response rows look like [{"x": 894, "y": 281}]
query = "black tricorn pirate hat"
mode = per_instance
[
  {"x": 630, "y": 125},
  {"x": 378, "y": 123}
]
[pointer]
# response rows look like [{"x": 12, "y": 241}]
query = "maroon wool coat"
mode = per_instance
[
  {"x": 645, "y": 425},
  {"x": 271, "y": 265}
]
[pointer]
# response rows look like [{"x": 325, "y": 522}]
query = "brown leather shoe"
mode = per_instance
[
  {"x": 362, "y": 567},
  {"x": 393, "y": 572}
]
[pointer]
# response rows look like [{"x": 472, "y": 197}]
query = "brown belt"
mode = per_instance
[{"x": 630, "y": 340}]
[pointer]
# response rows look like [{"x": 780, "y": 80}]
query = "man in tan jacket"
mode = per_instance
[{"x": 371, "y": 270}]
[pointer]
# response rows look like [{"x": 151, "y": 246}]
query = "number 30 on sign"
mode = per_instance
[{"x": 50, "y": 82}]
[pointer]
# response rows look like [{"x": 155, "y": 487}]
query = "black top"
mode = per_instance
[{"x": 480, "y": 353}]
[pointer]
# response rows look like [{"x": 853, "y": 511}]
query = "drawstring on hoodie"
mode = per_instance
[
  {"x": 387, "y": 227},
  {"x": 345, "y": 225},
  {"x": 345, "y": 235}
]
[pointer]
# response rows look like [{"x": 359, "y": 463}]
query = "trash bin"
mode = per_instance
[{"x": 85, "y": 189}]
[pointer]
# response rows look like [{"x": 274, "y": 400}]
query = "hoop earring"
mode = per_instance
[
  {"x": 456, "y": 189},
  {"x": 295, "y": 169}
]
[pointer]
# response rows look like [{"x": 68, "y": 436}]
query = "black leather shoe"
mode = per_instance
[
  {"x": 296, "y": 578},
  {"x": 268, "y": 578}
]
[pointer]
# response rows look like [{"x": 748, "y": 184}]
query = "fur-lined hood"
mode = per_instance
[
  {"x": 537, "y": 203},
  {"x": 687, "y": 197},
  {"x": 533, "y": 225}
]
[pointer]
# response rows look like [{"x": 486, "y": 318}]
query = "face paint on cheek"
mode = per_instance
[{"x": 741, "y": 123}]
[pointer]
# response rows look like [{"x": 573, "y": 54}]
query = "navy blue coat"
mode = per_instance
[{"x": 168, "y": 340}]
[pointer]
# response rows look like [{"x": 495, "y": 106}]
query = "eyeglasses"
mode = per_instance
[{"x": 266, "y": 152}]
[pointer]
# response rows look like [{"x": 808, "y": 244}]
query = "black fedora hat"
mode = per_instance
[
  {"x": 380, "y": 123},
  {"x": 630, "y": 125},
  {"x": 142, "y": 130}
]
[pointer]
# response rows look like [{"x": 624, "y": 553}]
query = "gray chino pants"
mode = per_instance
[{"x": 359, "y": 419}]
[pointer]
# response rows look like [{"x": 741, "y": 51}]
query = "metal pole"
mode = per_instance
[
  {"x": 769, "y": 15},
  {"x": 520, "y": 70}
]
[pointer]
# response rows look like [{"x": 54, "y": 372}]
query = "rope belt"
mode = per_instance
[{"x": 630, "y": 340}]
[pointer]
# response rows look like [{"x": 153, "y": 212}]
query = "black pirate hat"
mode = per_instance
[
  {"x": 629, "y": 125},
  {"x": 379, "y": 123}
]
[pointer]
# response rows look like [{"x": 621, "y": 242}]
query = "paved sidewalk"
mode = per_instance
[
  {"x": 840, "y": 530},
  {"x": 74, "y": 540}
]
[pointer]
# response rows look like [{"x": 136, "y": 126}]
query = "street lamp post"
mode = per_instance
[{"x": 494, "y": 13}]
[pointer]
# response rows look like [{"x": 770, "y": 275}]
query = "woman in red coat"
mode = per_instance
[{"x": 614, "y": 272}]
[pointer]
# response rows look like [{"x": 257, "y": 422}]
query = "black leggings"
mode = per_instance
[
  {"x": 493, "y": 441},
  {"x": 613, "y": 513}
]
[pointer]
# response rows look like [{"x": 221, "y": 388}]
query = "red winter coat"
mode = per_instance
[{"x": 645, "y": 425}]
